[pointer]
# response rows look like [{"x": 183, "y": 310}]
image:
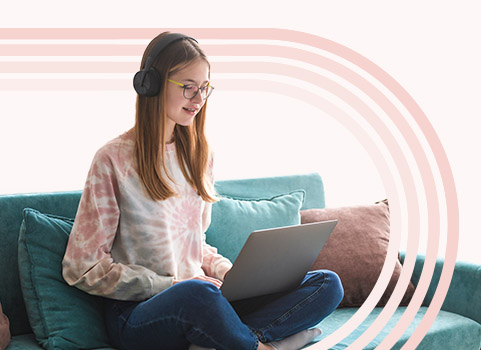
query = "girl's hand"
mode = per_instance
[{"x": 212, "y": 280}]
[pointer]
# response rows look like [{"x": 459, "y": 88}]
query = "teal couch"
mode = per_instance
[{"x": 456, "y": 327}]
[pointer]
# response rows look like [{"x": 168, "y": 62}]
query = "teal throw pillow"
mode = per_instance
[
  {"x": 233, "y": 219},
  {"x": 62, "y": 317}
]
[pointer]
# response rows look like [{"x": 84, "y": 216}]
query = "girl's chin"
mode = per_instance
[
  {"x": 184, "y": 119},
  {"x": 186, "y": 122}
]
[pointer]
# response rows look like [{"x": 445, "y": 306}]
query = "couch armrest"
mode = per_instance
[{"x": 464, "y": 293}]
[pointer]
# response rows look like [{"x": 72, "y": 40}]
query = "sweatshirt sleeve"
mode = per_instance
[
  {"x": 88, "y": 264},
  {"x": 213, "y": 264}
]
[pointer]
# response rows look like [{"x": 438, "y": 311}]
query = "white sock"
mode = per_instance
[
  {"x": 296, "y": 341},
  {"x": 196, "y": 347}
]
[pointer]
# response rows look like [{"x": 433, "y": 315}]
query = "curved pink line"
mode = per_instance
[
  {"x": 68, "y": 67},
  {"x": 365, "y": 140},
  {"x": 84, "y": 33},
  {"x": 439, "y": 154},
  {"x": 71, "y": 50},
  {"x": 364, "y": 110},
  {"x": 418, "y": 153},
  {"x": 355, "y": 102},
  {"x": 409, "y": 103},
  {"x": 65, "y": 85}
]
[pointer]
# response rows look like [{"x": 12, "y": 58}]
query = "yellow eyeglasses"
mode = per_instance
[{"x": 191, "y": 90}]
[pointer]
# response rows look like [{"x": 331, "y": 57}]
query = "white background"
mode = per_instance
[{"x": 431, "y": 48}]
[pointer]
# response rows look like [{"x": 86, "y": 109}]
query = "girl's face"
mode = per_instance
[{"x": 179, "y": 109}]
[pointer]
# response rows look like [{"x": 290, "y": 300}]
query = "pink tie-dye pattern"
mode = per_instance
[{"x": 125, "y": 246}]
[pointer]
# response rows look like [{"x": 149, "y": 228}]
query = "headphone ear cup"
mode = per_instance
[{"x": 149, "y": 86}]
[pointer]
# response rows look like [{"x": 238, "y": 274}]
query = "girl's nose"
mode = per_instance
[{"x": 198, "y": 98}]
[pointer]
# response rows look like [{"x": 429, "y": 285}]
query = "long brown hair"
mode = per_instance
[{"x": 191, "y": 144}]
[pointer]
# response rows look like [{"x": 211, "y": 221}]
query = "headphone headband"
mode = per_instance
[{"x": 147, "y": 80}]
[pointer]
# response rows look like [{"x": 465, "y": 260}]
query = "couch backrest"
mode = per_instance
[
  {"x": 66, "y": 203},
  {"x": 272, "y": 186}
]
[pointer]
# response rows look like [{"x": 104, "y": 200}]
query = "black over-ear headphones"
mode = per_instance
[{"x": 147, "y": 80}]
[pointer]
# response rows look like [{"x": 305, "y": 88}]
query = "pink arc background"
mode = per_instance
[{"x": 281, "y": 50}]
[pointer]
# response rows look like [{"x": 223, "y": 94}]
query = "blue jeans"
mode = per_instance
[{"x": 196, "y": 312}]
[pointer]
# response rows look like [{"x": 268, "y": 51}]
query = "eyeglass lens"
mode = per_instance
[{"x": 190, "y": 91}]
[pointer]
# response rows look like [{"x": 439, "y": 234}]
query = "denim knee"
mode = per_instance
[
  {"x": 335, "y": 287},
  {"x": 196, "y": 292},
  {"x": 330, "y": 281}
]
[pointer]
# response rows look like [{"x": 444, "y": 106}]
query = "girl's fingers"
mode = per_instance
[{"x": 212, "y": 280}]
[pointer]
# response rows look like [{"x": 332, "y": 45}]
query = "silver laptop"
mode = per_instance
[{"x": 275, "y": 260}]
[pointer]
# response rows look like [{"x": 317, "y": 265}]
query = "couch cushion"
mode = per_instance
[
  {"x": 24, "y": 342},
  {"x": 11, "y": 207},
  {"x": 361, "y": 238},
  {"x": 61, "y": 316},
  {"x": 233, "y": 219},
  {"x": 28, "y": 342},
  {"x": 449, "y": 330}
]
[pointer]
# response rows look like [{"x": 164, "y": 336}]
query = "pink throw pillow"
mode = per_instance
[{"x": 357, "y": 249}]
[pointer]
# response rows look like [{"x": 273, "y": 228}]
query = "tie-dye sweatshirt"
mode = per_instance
[{"x": 124, "y": 245}]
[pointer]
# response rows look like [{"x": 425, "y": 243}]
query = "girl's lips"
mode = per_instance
[{"x": 191, "y": 109}]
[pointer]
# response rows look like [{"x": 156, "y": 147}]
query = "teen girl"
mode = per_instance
[{"x": 138, "y": 237}]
